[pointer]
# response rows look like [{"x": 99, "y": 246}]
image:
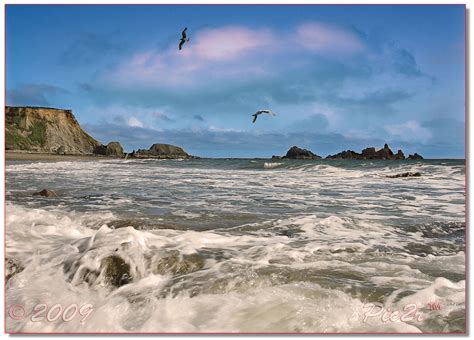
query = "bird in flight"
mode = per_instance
[
  {"x": 259, "y": 112},
  {"x": 183, "y": 38}
]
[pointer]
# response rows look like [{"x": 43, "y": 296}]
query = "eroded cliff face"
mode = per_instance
[{"x": 48, "y": 130}]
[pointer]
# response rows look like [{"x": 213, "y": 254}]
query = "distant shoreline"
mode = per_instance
[{"x": 28, "y": 156}]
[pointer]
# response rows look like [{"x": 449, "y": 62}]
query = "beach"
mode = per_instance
[{"x": 29, "y": 156}]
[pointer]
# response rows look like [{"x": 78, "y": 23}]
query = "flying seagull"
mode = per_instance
[
  {"x": 259, "y": 112},
  {"x": 183, "y": 38}
]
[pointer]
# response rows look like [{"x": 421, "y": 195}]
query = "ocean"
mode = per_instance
[{"x": 236, "y": 245}]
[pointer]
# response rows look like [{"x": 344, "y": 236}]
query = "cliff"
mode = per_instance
[{"x": 46, "y": 130}]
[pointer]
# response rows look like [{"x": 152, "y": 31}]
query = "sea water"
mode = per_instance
[{"x": 278, "y": 246}]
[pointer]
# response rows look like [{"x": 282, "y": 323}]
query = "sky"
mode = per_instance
[{"x": 338, "y": 77}]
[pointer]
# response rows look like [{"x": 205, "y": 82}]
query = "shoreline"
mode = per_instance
[{"x": 25, "y": 156}]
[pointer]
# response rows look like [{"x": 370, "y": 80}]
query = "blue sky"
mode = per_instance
[{"x": 338, "y": 77}]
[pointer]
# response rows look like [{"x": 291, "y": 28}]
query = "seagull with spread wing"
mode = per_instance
[
  {"x": 183, "y": 38},
  {"x": 259, "y": 112}
]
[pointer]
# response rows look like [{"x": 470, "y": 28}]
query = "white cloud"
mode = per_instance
[
  {"x": 134, "y": 122},
  {"x": 410, "y": 131}
]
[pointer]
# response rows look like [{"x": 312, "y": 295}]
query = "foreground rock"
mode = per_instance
[
  {"x": 46, "y": 130},
  {"x": 370, "y": 153},
  {"x": 116, "y": 271},
  {"x": 298, "y": 153},
  {"x": 46, "y": 193},
  {"x": 161, "y": 151},
  {"x": 113, "y": 149},
  {"x": 405, "y": 174},
  {"x": 178, "y": 264},
  {"x": 12, "y": 267}
]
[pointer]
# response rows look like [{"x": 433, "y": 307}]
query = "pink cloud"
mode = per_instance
[
  {"x": 210, "y": 55},
  {"x": 233, "y": 53},
  {"x": 318, "y": 37},
  {"x": 230, "y": 42}
]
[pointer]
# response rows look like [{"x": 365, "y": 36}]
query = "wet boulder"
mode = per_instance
[
  {"x": 405, "y": 174},
  {"x": 12, "y": 267},
  {"x": 46, "y": 193},
  {"x": 115, "y": 271},
  {"x": 178, "y": 264}
]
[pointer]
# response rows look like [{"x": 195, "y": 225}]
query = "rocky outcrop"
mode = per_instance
[
  {"x": 370, "y": 153},
  {"x": 161, "y": 151},
  {"x": 348, "y": 154},
  {"x": 298, "y": 153},
  {"x": 415, "y": 156},
  {"x": 113, "y": 149},
  {"x": 46, "y": 130},
  {"x": 46, "y": 193}
]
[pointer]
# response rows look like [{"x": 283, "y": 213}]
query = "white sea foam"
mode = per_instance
[{"x": 302, "y": 248}]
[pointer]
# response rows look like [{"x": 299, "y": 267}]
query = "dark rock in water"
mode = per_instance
[
  {"x": 161, "y": 151},
  {"x": 405, "y": 174},
  {"x": 348, "y": 154},
  {"x": 12, "y": 267},
  {"x": 385, "y": 153},
  {"x": 297, "y": 153},
  {"x": 111, "y": 149},
  {"x": 116, "y": 271},
  {"x": 276, "y": 157},
  {"x": 46, "y": 193},
  {"x": 178, "y": 264},
  {"x": 370, "y": 153},
  {"x": 415, "y": 156},
  {"x": 400, "y": 155}
]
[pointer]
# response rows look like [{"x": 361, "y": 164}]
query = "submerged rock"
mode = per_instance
[
  {"x": 46, "y": 193},
  {"x": 298, "y": 153},
  {"x": 405, "y": 174},
  {"x": 12, "y": 267},
  {"x": 178, "y": 264},
  {"x": 115, "y": 270}
]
